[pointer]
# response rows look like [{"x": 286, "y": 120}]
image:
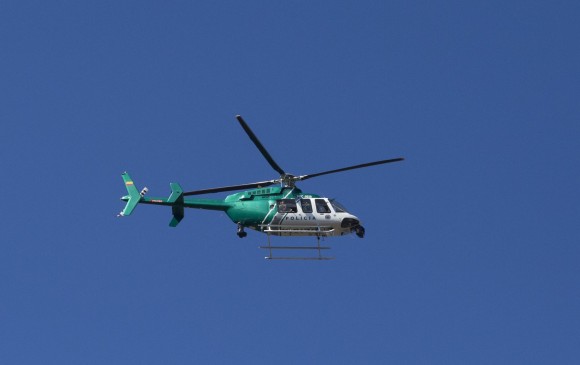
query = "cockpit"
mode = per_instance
[{"x": 307, "y": 213}]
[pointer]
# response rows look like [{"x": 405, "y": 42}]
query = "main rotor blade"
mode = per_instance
[
  {"x": 231, "y": 188},
  {"x": 259, "y": 145},
  {"x": 304, "y": 177}
]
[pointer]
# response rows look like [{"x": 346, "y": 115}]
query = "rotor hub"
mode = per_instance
[{"x": 288, "y": 180}]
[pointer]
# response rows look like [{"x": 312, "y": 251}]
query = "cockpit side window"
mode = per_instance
[
  {"x": 321, "y": 206},
  {"x": 306, "y": 205},
  {"x": 339, "y": 208},
  {"x": 287, "y": 206}
]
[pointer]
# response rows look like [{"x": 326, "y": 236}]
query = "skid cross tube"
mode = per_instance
[{"x": 317, "y": 247}]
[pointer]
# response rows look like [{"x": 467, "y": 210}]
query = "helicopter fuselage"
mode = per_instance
[
  {"x": 290, "y": 212},
  {"x": 279, "y": 211}
]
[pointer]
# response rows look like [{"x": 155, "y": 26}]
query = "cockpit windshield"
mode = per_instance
[{"x": 339, "y": 208}]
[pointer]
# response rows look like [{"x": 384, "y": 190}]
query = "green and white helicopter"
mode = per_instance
[{"x": 275, "y": 207}]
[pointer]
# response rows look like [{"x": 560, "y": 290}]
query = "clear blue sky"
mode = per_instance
[{"x": 472, "y": 247}]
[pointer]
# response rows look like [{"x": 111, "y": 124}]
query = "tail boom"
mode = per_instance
[{"x": 176, "y": 201}]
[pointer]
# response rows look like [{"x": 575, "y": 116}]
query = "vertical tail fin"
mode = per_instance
[{"x": 133, "y": 198}]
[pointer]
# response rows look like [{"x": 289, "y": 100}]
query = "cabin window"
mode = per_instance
[
  {"x": 287, "y": 206},
  {"x": 306, "y": 205},
  {"x": 321, "y": 206}
]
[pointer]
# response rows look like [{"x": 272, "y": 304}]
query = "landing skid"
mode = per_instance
[{"x": 318, "y": 248}]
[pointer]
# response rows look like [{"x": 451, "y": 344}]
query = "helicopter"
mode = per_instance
[{"x": 275, "y": 207}]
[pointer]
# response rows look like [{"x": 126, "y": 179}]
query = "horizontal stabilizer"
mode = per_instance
[{"x": 176, "y": 199}]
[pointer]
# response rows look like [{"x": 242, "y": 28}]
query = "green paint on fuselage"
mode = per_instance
[{"x": 249, "y": 208}]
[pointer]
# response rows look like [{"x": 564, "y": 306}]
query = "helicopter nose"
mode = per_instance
[{"x": 349, "y": 223}]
